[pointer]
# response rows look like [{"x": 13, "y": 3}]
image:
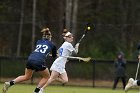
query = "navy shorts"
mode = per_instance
[{"x": 36, "y": 65}]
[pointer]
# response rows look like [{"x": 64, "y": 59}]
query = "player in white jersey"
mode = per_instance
[{"x": 58, "y": 67}]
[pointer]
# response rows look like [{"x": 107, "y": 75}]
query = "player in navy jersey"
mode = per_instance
[{"x": 36, "y": 62}]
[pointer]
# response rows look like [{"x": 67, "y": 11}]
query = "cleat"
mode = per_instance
[
  {"x": 129, "y": 84},
  {"x": 5, "y": 87},
  {"x": 41, "y": 90}
]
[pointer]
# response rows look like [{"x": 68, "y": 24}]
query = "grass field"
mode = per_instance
[{"x": 25, "y": 88}]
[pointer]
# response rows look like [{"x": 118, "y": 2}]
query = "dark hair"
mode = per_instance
[
  {"x": 46, "y": 33},
  {"x": 64, "y": 32}
]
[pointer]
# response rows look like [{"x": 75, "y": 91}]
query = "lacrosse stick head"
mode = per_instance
[{"x": 88, "y": 28}]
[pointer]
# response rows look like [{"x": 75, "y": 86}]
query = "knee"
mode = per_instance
[{"x": 65, "y": 81}]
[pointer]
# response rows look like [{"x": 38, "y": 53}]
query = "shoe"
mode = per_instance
[
  {"x": 129, "y": 84},
  {"x": 41, "y": 90},
  {"x": 5, "y": 87}
]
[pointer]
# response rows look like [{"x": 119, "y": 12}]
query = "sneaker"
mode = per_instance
[
  {"x": 129, "y": 84},
  {"x": 5, "y": 87},
  {"x": 41, "y": 90}
]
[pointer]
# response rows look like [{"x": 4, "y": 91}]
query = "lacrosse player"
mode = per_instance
[
  {"x": 132, "y": 82},
  {"x": 58, "y": 67},
  {"x": 36, "y": 62}
]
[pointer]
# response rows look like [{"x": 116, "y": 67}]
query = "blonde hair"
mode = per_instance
[{"x": 46, "y": 33}]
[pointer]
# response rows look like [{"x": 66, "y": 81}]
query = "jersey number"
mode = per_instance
[
  {"x": 60, "y": 51},
  {"x": 41, "y": 48}
]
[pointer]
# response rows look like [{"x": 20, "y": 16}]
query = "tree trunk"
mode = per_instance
[
  {"x": 98, "y": 8},
  {"x": 33, "y": 24},
  {"x": 20, "y": 29},
  {"x": 124, "y": 11},
  {"x": 61, "y": 20},
  {"x": 74, "y": 17},
  {"x": 130, "y": 33},
  {"x": 68, "y": 14}
]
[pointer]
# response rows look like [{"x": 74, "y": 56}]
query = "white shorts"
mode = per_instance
[{"x": 57, "y": 68}]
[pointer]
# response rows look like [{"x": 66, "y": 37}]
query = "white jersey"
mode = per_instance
[{"x": 65, "y": 50}]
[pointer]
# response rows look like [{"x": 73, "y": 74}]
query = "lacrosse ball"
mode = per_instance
[{"x": 88, "y": 28}]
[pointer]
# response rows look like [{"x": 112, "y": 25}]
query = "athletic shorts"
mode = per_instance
[
  {"x": 35, "y": 65},
  {"x": 57, "y": 68}
]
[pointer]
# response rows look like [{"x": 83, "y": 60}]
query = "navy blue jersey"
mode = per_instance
[{"x": 43, "y": 48}]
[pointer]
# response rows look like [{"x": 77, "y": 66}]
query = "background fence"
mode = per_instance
[{"x": 97, "y": 73}]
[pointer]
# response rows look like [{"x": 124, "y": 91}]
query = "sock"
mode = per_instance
[
  {"x": 37, "y": 89},
  {"x": 12, "y": 83}
]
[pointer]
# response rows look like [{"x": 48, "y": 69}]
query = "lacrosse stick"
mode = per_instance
[
  {"x": 85, "y": 32},
  {"x": 137, "y": 70},
  {"x": 138, "y": 62},
  {"x": 80, "y": 58},
  {"x": 87, "y": 59}
]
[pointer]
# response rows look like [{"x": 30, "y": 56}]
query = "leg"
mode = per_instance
[
  {"x": 54, "y": 76},
  {"x": 28, "y": 75},
  {"x": 115, "y": 82},
  {"x": 45, "y": 76},
  {"x": 63, "y": 78},
  {"x": 123, "y": 82}
]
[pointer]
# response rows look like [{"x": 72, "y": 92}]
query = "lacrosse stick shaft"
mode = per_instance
[
  {"x": 81, "y": 38},
  {"x": 138, "y": 63},
  {"x": 72, "y": 57},
  {"x": 137, "y": 70},
  {"x": 80, "y": 58}
]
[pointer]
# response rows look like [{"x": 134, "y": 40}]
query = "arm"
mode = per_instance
[{"x": 76, "y": 49}]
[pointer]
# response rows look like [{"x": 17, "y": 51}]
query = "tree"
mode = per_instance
[{"x": 20, "y": 29}]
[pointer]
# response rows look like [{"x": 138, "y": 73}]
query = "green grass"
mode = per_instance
[{"x": 25, "y": 88}]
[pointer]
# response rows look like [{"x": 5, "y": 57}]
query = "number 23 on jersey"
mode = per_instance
[{"x": 41, "y": 48}]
